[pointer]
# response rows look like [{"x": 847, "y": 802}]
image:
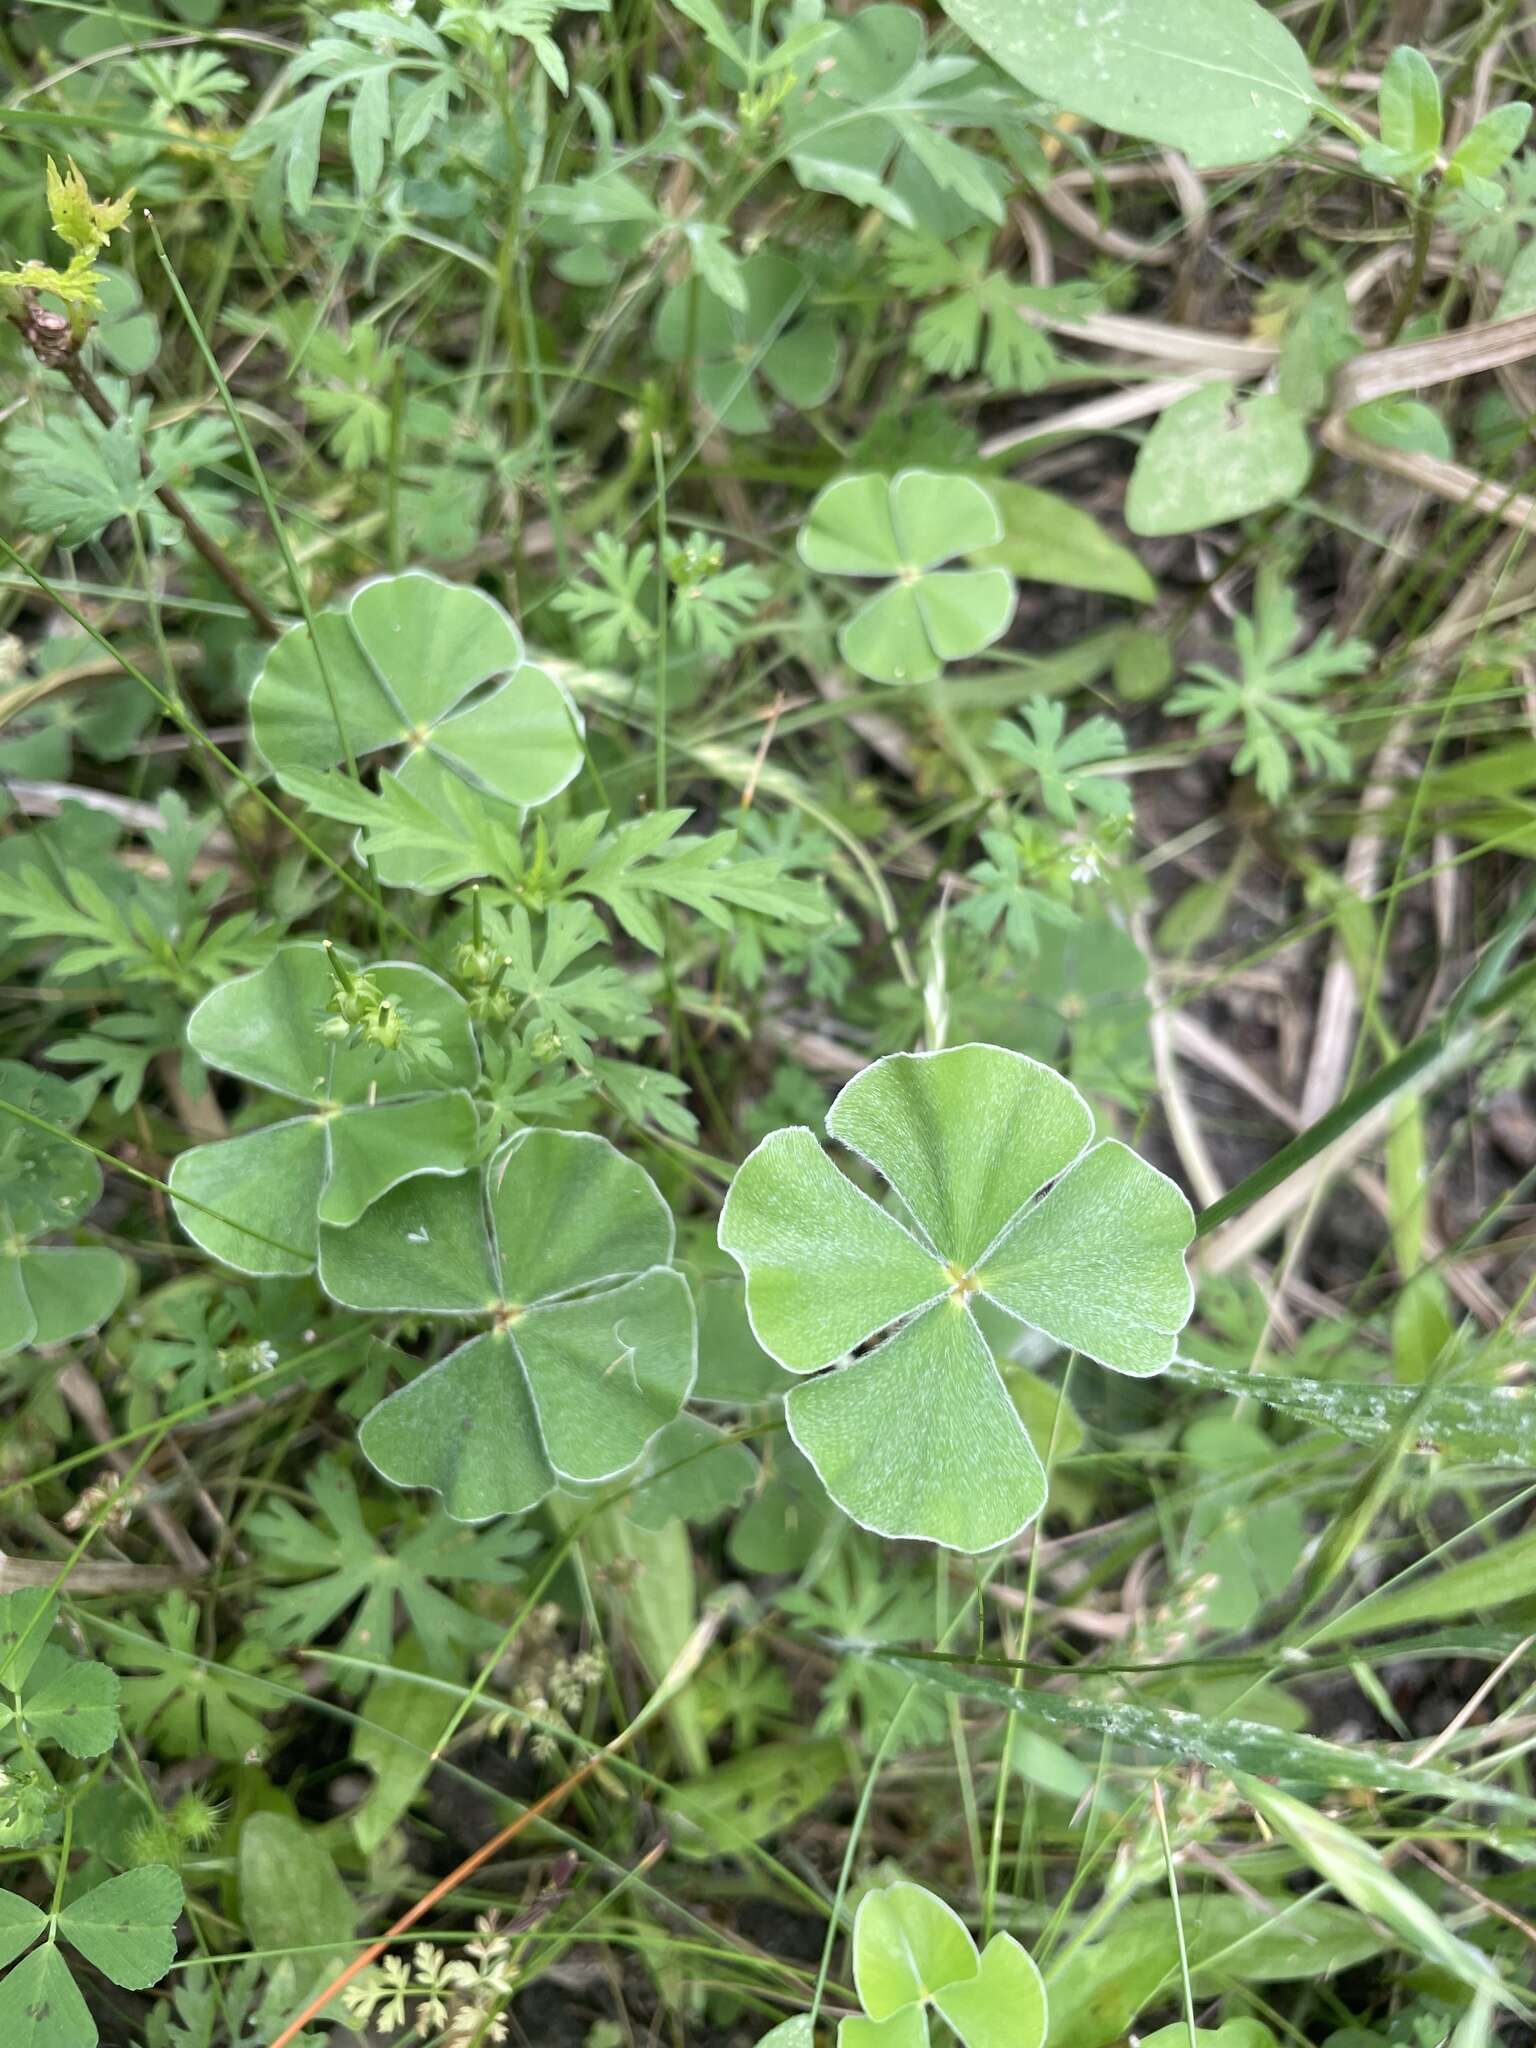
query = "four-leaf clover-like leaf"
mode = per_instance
[
  {"x": 563, "y": 1246},
  {"x": 404, "y": 665},
  {"x": 910, "y": 1952},
  {"x": 256, "y": 1201},
  {"x": 48, "y": 1293},
  {"x": 1003, "y": 1196},
  {"x": 904, "y": 528},
  {"x": 737, "y": 350}
]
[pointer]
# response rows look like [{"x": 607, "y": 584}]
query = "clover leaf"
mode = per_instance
[
  {"x": 563, "y": 1246},
  {"x": 737, "y": 351},
  {"x": 1002, "y": 1196},
  {"x": 369, "y": 1121},
  {"x": 48, "y": 1293},
  {"x": 911, "y": 1951},
  {"x": 905, "y": 527},
  {"x": 126, "y": 1927},
  {"x": 404, "y": 665}
]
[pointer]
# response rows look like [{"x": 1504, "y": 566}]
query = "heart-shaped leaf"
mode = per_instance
[
  {"x": 1215, "y": 456},
  {"x": 564, "y": 1245},
  {"x": 916, "y": 1436},
  {"x": 907, "y": 1946},
  {"x": 372, "y": 1121},
  {"x": 404, "y": 666},
  {"x": 1221, "y": 80},
  {"x": 904, "y": 527},
  {"x": 41, "y": 2006},
  {"x": 127, "y": 1926},
  {"x": 770, "y": 341}
]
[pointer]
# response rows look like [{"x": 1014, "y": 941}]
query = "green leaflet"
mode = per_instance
[
  {"x": 1230, "y": 1746},
  {"x": 372, "y": 1122},
  {"x": 564, "y": 1386},
  {"x": 905, "y": 528},
  {"x": 1221, "y": 80},
  {"x": 917, "y": 1436},
  {"x": 1359, "y": 1872},
  {"x": 402, "y": 667}
]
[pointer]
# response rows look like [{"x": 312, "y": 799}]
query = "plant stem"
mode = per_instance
[
  {"x": 90, "y": 392},
  {"x": 1407, "y": 298}
]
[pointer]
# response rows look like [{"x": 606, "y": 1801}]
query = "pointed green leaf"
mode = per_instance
[
  {"x": 1047, "y": 539},
  {"x": 1227, "y": 1744},
  {"x": 825, "y": 1267},
  {"x": 41, "y": 2006},
  {"x": 1359, "y": 1873},
  {"x": 20, "y": 1924},
  {"x": 965, "y": 1137},
  {"x": 1098, "y": 1264},
  {"x": 18, "y": 1318},
  {"x": 293, "y": 1897},
  {"x": 918, "y": 1438},
  {"x": 1409, "y": 103},
  {"x": 26, "y": 1619},
  {"x": 907, "y": 1945},
  {"x": 1003, "y": 2005},
  {"x": 1223, "y": 81},
  {"x": 1215, "y": 456},
  {"x": 127, "y": 1926}
]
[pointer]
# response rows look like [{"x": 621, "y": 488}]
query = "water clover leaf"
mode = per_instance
[
  {"x": 1214, "y": 456},
  {"x": 911, "y": 1951},
  {"x": 904, "y": 528},
  {"x": 1003, "y": 1196},
  {"x": 48, "y": 1293},
  {"x": 405, "y": 665},
  {"x": 736, "y": 351},
  {"x": 564, "y": 1246},
  {"x": 368, "y": 1122}
]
